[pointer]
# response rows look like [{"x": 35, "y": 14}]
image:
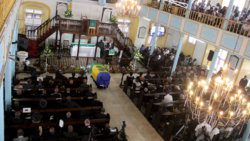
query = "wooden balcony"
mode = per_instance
[
  {"x": 207, "y": 19},
  {"x": 233, "y": 26},
  {"x": 5, "y": 8}
]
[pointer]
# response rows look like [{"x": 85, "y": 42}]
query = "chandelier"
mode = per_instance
[
  {"x": 128, "y": 8},
  {"x": 217, "y": 101}
]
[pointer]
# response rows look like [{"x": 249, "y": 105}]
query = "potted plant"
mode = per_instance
[
  {"x": 45, "y": 54},
  {"x": 68, "y": 13},
  {"x": 113, "y": 20}
]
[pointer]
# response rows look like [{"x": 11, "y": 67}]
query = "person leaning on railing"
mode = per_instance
[{"x": 246, "y": 27}]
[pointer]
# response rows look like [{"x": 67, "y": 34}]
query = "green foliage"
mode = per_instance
[
  {"x": 113, "y": 20},
  {"x": 68, "y": 13},
  {"x": 47, "y": 52},
  {"x": 106, "y": 68},
  {"x": 137, "y": 55}
]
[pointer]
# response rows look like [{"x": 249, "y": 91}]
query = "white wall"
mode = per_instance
[
  {"x": 199, "y": 51},
  {"x": 88, "y": 8},
  {"x": 173, "y": 38},
  {"x": 142, "y": 23}
]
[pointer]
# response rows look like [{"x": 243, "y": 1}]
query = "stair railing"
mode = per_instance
[{"x": 41, "y": 30}]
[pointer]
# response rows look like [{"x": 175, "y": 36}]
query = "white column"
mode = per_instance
[
  {"x": 162, "y": 4},
  {"x": 246, "y": 132},
  {"x": 228, "y": 13},
  {"x": 178, "y": 52},
  {"x": 1, "y": 114},
  {"x": 153, "y": 40},
  {"x": 189, "y": 7},
  {"x": 7, "y": 85}
]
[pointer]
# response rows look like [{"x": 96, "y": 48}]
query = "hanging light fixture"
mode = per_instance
[
  {"x": 128, "y": 8},
  {"x": 217, "y": 101}
]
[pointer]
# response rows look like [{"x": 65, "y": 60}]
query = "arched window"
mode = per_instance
[{"x": 33, "y": 18}]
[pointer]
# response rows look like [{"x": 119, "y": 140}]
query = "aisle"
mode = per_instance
[{"x": 120, "y": 108}]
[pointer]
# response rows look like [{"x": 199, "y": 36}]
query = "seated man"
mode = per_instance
[
  {"x": 70, "y": 132},
  {"x": 130, "y": 80},
  {"x": 71, "y": 104},
  {"x": 56, "y": 93},
  {"x": 84, "y": 86},
  {"x": 147, "y": 76},
  {"x": 137, "y": 86},
  {"x": 86, "y": 129},
  {"x": 71, "y": 84},
  {"x": 40, "y": 84},
  {"x": 51, "y": 135},
  {"x": 68, "y": 116},
  {"x": 20, "y": 136},
  {"x": 167, "y": 101}
]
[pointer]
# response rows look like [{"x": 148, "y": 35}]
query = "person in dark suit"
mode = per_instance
[
  {"x": 51, "y": 135},
  {"x": 71, "y": 84},
  {"x": 56, "y": 93},
  {"x": 243, "y": 82},
  {"x": 101, "y": 45},
  {"x": 70, "y": 132},
  {"x": 86, "y": 129},
  {"x": 130, "y": 80}
]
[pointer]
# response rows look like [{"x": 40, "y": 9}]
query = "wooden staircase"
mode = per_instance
[
  {"x": 80, "y": 27},
  {"x": 40, "y": 34}
]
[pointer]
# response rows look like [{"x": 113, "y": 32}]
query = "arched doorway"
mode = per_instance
[{"x": 32, "y": 14}]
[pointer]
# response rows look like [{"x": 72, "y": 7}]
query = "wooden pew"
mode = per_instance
[
  {"x": 162, "y": 115},
  {"x": 51, "y": 98},
  {"x": 90, "y": 108},
  {"x": 102, "y": 121}
]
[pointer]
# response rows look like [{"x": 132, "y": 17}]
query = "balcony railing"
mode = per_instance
[
  {"x": 5, "y": 8},
  {"x": 176, "y": 10},
  {"x": 233, "y": 26},
  {"x": 206, "y": 19}
]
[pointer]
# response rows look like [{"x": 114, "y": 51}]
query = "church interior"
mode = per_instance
[{"x": 124, "y": 70}]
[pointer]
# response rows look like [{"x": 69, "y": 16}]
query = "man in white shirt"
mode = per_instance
[
  {"x": 168, "y": 102},
  {"x": 20, "y": 136}
]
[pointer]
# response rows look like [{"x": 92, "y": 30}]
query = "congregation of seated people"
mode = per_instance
[
  {"x": 160, "y": 95},
  {"x": 51, "y": 109}
]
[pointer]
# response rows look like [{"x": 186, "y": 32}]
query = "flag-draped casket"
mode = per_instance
[{"x": 100, "y": 75}]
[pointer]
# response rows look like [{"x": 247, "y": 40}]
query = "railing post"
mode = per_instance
[
  {"x": 96, "y": 47},
  {"x": 60, "y": 42},
  {"x": 78, "y": 49}
]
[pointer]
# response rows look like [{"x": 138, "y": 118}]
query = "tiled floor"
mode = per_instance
[{"x": 122, "y": 109}]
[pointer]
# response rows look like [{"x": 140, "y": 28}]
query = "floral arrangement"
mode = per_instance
[
  {"x": 68, "y": 13},
  {"x": 137, "y": 55},
  {"x": 106, "y": 67}
]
